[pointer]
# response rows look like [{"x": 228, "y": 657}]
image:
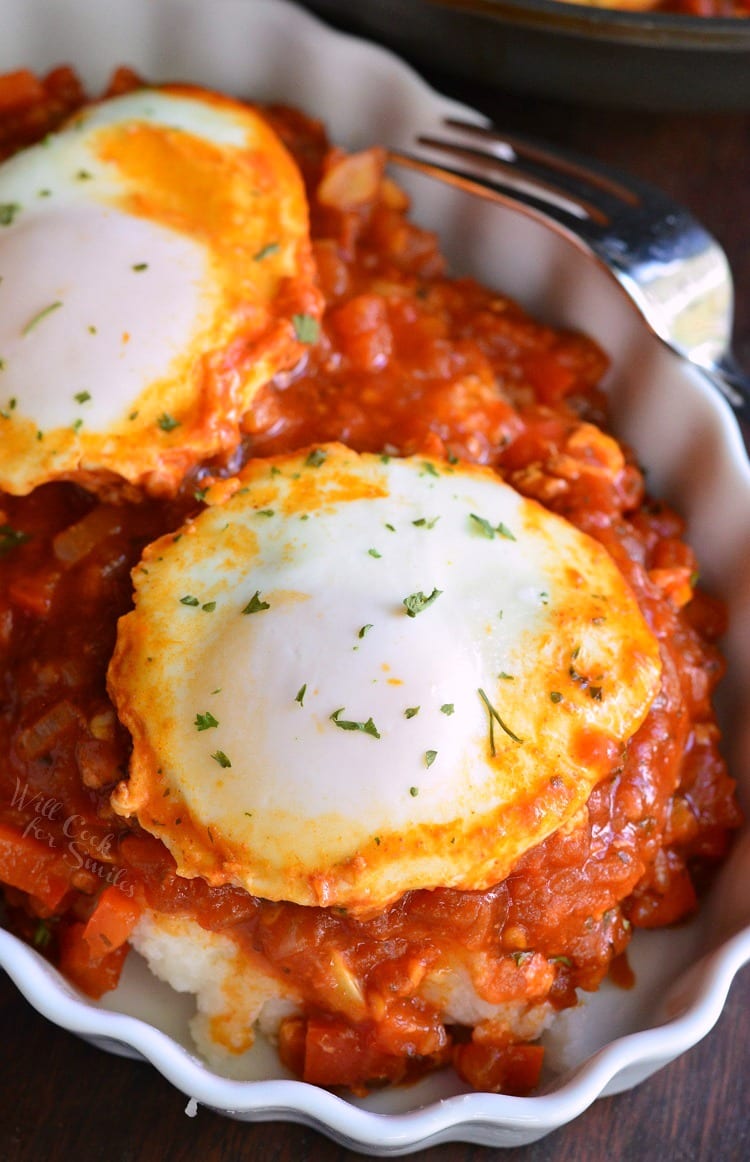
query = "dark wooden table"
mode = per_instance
[{"x": 61, "y": 1100}]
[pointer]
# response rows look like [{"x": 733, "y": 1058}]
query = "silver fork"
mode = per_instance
[{"x": 673, "y": 269}]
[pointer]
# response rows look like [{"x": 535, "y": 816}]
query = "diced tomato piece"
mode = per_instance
[
  {"x": 512, "y": 1069},
  {"x": 114, "y": 918},
  {"x": 338, "y": 1053},
  {"x": 31, "y": 865},
  {"x": 94, "y": 976},
  {"x": 292, "y": 1044},
  {"x": 19, "y": 89},
  {"x": 549, "y": 378},
  {"x": 657, "y": 908},
  {"x": 34, "y": 593}
]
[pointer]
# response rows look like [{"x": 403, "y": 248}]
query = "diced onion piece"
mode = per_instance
[
  {"x": 353, "y": 180},
  {"x": 78, "y": 540},
  {"x": 39, "y": 738},
  {"x": 349, "y": 995}
]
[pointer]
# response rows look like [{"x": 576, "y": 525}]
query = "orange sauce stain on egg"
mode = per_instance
[{"x": 225, "y": 197}]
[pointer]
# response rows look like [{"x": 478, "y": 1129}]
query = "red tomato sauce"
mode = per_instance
[{"x": 410, "y": 361}]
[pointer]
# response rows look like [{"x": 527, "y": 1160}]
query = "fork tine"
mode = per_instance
[
  {"x": 548, "y": 157},
  {"x": 624, "y": 220},
  {"x": 578, "y": 220},
  {"x": 506, "y": 172}
]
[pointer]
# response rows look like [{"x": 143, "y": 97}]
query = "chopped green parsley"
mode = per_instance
[
  {"x": 265, "y": 251},
  {"x": 367, "y": 727},
  {"x": 255, "y": 604},
  {"x": 306, "y": 328},
  {"x": 8, "y": 211},
  {"x": 10, "y": 538},
  {"x": 42, "y": 934},
  {"x": 483, "y": 526},
  {"x": 37, "y": 318},
  {"x": 205, "y": 721},
  {"x": 494, "y": 717},
  {"x": 416, "y": 602}
]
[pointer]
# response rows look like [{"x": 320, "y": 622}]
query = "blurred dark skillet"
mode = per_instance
[{"x": 637, "y": 60}]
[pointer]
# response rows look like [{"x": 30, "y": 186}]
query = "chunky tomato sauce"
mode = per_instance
[{"x": 410, "y": 361}]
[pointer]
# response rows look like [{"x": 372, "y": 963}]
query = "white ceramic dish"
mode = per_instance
[{"x": 685, "y": 436}]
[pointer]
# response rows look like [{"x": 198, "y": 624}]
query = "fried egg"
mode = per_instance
[
  {"x": 354, "y": 675},
  {"x": 155, "y": 271}
]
